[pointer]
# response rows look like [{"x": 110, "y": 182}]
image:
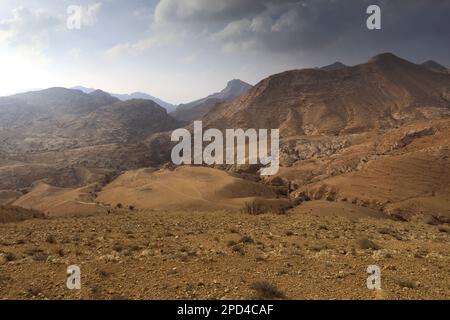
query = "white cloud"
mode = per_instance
[
  {"x": 134, "y": 49},
  {"x": 178, "y": 21},
  {"x": 28, "y": 27}
]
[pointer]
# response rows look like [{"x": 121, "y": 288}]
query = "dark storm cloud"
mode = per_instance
[{"x": 312, "y": 25}]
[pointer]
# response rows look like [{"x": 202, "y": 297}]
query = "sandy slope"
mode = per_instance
[
  {"x": 61, "y": 201},
  {"x": 185, "y": 188}
]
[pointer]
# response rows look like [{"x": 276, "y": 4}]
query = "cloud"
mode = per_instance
[
  {"x": 28, "y": 27},
  {"x": 310, "y": 27},
  {"x": 298, "y": 25},
  {"x": 273, "y": 25},
  {"x": 139, "y": 47},
  {"x": 175, "y": 21},
  {"x": 305, "y": 24},
  {"x": 204, "y": 11}
]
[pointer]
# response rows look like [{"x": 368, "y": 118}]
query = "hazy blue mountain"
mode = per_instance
[
  {"x": 434, "y": 66},
  {"x": 334, "y": 66},
  {"x": 135, "y": 95},
  {"x": 197, "y": 109}
]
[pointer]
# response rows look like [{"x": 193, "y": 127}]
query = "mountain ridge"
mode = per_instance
[
  {"x": 195, "y": 110},
  {"x": 135, "y": 95},
  {"x": 434, "y": 66},
  {"x": 384, "y": 92}
]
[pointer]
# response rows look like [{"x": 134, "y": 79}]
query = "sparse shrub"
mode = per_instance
[
  {"x": 365, "y": 243},
  {"x": 182, "y": 256},
  {"x": 281, "y": 191},
  {"x": 40, "y": 256},
  {"x": 421, "y": 253},
  {"x": 231, "y": 243},
  {"x": 117, "y": 247},
  {"x": 238, "y": 249},
  {"x": 254, "y": 208},
  {"x": 320, "y": 247},
  {"x": 289, "y": 233},
  {"x": 444, "y": 229},
  {"x": 126, "y": 252},
  {"x": 261, "y": 259},
  {"x": 246, "y": 239},
  {"x": 407, "y": 284},
  {"x": 104, "y": 274},
  {"x": 33, "y": 291},
  {"x": 134, "y": 247},
  {"x": 282, "y": 210},
  {"x": 119, "y": 206},
  {"x": 96, "y": 292},
  {"x": 50, "y": 239},
  {"x": 184, "y": 249},
  {"x": 131, "y": 208},
  {"x": 9, "y": 256},
  {"x": 266, "y": 291},
  {"x": 388, "y": 231}
]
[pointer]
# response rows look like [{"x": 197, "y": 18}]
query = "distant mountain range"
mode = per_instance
[
  {"x": 197, "y": 109},
  {"x": 135, "y": 95},
  {"x": 434, "y": 66},
  {"x": 335, "y": 66},
  {"x": 189, "y": 111}
]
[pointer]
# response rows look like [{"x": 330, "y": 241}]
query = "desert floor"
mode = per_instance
[{"x": 319, "y": 250}]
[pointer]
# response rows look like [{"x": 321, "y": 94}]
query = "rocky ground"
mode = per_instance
[{"x": 315, "y": 251}]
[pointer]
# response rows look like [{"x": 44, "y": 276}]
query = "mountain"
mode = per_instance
[
  {"x": 385, "y": 92},
  {"x": 70, "y": 138},
  {"x": 197, "y": 109},
  {"x": 140, "y": 95},
  {"x": 21, "y": 110},
  {"x": 64, "y": 101},
  {"x": 122, "y": 122},
  {"x": 434, "y": 66},
  {"x": 84, "y": 89},
  {"x": 335, "y": 66},
  {"x": 136, "y": 95},
  {"x": 59, "y": 118}
]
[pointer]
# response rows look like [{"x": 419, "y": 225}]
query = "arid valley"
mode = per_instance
[{"x": 86, "y": 179}]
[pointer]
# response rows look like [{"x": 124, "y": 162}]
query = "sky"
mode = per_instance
[{"x": 181, "y": 50}]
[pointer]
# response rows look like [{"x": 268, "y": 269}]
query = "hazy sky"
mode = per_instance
[{"x": 180, "y": 50}]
